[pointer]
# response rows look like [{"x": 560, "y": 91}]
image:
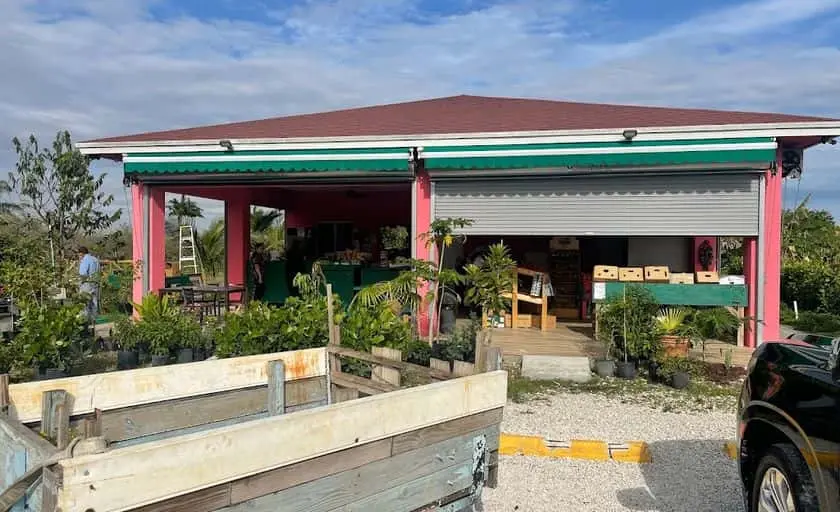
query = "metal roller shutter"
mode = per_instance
[{"x": 645, "y": 205}]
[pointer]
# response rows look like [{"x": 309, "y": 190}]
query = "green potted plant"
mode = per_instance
[
  {"x": 717, "y": 323},
  {"x": 676, "y": 371},
  {"x": 628, "y": 318},
  {"x": 393, "y": 238},
  {"x": 671, "y": 322},
  {"x": 125, "y": 338},
  {"x": 47, "y": 336},
  {"x": 486, "y": 284}
]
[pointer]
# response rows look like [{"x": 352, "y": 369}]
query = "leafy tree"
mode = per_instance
[
  {"x": 267, "y": 228},
  {"x": 211, "y": 247},
  {"x": 184, "y": 208},
  {"x": 810, "y": 235},
  {"x": 488, "y": 282},
  {"x": 56, "y": 186}
]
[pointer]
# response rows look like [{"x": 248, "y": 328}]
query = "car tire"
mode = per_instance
[{"x": 786, "y": 461}]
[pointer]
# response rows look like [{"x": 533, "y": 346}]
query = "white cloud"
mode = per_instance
[{"x": 99, "y": 70}]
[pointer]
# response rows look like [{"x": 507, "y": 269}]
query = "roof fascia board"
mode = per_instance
[{"x": 777, "y": 130}]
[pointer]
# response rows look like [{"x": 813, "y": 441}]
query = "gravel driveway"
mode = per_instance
[{"x": 689, "y": 470}]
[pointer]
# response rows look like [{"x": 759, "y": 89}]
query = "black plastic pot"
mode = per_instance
[
  {"x": 185, "y": 355},
  {"x": 159, "y": 360},
  {"x": 605, "y": 368},
  {"x": 127, "y": 359},
  {"x": 680, "y": 380},
  {"x": 653, "y": 371},
  {"x": 626, "y": 370}
]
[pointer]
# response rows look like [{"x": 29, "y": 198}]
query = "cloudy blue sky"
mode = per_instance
[{"x": 112, "y": 67}]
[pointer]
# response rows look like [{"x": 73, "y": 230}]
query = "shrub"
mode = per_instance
[
  {"x": 627, "y": 322},
  {"x": 50, "y": 335},
  {"x": 461, "y": 345},
  {"x": 817, "y": 323}
]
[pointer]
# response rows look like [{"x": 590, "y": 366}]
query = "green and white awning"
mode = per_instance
[
  {"x": 271, "y": 161},
  {"x": 600, "y": 154}
]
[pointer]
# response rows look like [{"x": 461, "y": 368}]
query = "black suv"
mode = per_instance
[{"x": 789, "y": 428}]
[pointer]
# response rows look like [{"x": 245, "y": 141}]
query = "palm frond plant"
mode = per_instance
[{"x": 488, "y": 282}]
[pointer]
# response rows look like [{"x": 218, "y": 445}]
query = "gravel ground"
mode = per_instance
[{"x": 689, "y": 470}]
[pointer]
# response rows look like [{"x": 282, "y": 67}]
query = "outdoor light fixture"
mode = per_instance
[
  {"x": 228, "y": 145},
  {"x": 629, "y": 134}
]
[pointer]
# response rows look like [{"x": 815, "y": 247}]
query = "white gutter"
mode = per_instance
[{"x": 798, "y": 129}]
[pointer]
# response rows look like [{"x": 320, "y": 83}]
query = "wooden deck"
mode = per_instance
[
  {"x": 567, "y": 339},
  {"x": 577, "y": 340}
]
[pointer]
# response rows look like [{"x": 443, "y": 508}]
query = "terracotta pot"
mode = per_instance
[{"x": 675, "y": 346}]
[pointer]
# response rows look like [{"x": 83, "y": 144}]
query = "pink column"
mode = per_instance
[
  {"x": 157, "y": 238},
  {"x": 422, "y": 223},
  {"x": 772, "y": 251},
  {"x": 137, "y": 240},
  {"x": 751, "y": 277},
  {"x": 238, "y": 226}
]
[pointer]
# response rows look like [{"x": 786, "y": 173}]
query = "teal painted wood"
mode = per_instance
[
  {"x": 336, "y": 492},
  {"x": 21, "y": 450},
  {"x": 688, "y": 294}
]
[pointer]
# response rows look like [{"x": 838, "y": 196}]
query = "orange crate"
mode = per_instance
[
  {"x": 657, "y": 274},
  {"x": 605, "y": 273},
  {"x": 708, "y": 277},
  {"x": 682, "y": 278},
  {"x": 631, "y": 275}
]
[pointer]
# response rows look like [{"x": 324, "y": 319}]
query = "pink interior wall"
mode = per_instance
[
  {"x": 772, "y": 251},
  {"x": 698, "y": 241},
  {"x": 372, "y": 209},
  {"x": 238, "y": 226}
]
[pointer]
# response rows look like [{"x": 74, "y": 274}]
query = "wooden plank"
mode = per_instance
[
  {"x": 55, "y": 417},
  {"x": 134, "y": 422},
  {"x": 342, "y": 489},
  {"x": 214, "y": 498},
  {"x": 205, "y": 500},
  {"x": 417, "y": 493},
  {"x": 493, "y": 359},
  {"x": 444, "y": 367},
  {"x": 308, "y": 471},
  {"x": 462, "y": 368},
  {"x": 367, "y": 386},
  {"x": 276, "y": 388},
  {"x": 400, "y": 365},
  {"x": 388, "y": 375},
  {"x": 340, "y": 394},
  {"x": 453, "y": 428},
  {"x": 4, "y": 393},
  {"x": 50, "y": 484},
  {"x": 157, "y": 384},
  {"x": 129, "y": 477}
]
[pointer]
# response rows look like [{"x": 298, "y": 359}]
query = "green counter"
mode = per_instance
[{"x": 667, "y": 294}]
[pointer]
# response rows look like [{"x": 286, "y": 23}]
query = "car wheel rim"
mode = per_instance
[{"x": 776, "y": 495}]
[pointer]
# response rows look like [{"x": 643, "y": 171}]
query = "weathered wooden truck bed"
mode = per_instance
[{"x": 257, "y": 433}]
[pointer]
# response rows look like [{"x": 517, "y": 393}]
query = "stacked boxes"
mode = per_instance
[
  {"x": 682, "y": 278},
  {"x": 605, "y": 273},
  {"x": 657, "y": 274},
  {"x": 708, "y": 277},
  {"x": 631, "y": 275}
]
